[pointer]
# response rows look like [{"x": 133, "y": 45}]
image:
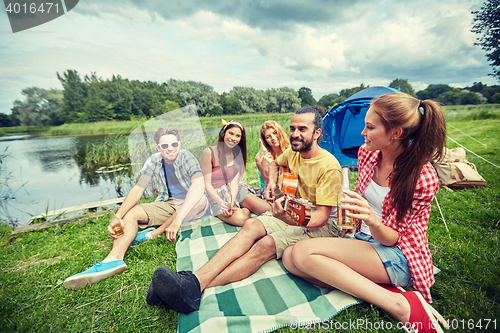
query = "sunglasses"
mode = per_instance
[{"x": 164, "y": 146}]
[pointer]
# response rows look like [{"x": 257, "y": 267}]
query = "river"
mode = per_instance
[{"x": 42, "y": 175}]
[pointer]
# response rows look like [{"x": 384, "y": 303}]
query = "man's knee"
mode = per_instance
[
  {"x": 254, "y": 227},
  {"x": 265, "y": 248},
  {"x": 136, "y": 215}
]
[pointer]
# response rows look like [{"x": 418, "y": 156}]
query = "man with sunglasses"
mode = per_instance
[{"x": 180, "y": 199}]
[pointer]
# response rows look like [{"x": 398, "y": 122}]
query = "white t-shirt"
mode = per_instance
[{"x": 374, "y": 194}]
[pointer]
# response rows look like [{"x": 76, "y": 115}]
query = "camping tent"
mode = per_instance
[{"x": 342, "y": 125}]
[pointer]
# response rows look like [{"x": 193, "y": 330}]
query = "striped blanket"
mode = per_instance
[{"x": 269, "y": 299}]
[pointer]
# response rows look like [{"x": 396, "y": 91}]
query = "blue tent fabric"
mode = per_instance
[{"x": 342, "y": 125}]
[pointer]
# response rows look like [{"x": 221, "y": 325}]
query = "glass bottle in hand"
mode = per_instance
[{"x": 344, "y": 221}]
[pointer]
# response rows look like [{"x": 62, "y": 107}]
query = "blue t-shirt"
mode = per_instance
[{"x": 175, "y": 189}]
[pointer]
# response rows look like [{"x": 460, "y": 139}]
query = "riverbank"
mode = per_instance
[{"x": 34, "y": 265}]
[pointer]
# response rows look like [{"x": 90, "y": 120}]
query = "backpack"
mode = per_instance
[{"x": 454, "y": 171}]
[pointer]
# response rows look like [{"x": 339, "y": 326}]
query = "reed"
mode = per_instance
[{"x": 112, "y": 151}]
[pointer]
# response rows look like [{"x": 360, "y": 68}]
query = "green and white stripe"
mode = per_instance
[{"x": 269, "y": 299}]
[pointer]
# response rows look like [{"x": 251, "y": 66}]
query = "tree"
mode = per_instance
[
  {"x": 305, "y": 94},
  {"x": 118, "y": 93},
  {"x": 230, "y": 104},
  {"x": 403, "y": 86},
  {"x": 5, "y": 120},
  {"x": 251, "y": 99},
  {"x": 483, "y": 89},
  {"x": 190, "y": 92},
  {"x": 41, "y": 107},
  {"x": 459, "y": 96},
  {"x": 433, "y": 91},
  {"x": 216, "y": 110},
  {"x": 496, "y": 98},
  {"x": 346, "y": 93},
  {"x": 96, "y": 108},
  {"x": 75, "y": 94},
  {"x": 170, "y": 106},
  {"x": 487, "y": 24},
  {"x": 15, "y": 120},
  {"x": 148, "y": 98},
  {"x": 282, "y": 100},
  {"x": 477, "y": 87},
  {"x": 330, "y": 100}
]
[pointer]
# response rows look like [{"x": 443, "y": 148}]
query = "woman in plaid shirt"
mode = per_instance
[{"x": 395, "y": 187}]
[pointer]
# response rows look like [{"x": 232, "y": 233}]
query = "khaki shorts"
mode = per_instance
[
  {"x": 160, "y": 211},
  {"x": 285, "y": 235}
]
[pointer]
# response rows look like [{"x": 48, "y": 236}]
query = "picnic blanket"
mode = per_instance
[{"x": 269, "y": 299}]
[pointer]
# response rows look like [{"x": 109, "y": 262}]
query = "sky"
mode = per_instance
[{"x": 325, "y": 45}]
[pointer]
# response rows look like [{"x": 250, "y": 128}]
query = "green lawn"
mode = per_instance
[{"x": 33, "y": 265}]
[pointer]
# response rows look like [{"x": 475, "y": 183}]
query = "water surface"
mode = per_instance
[{"x": 43, "y": 175}]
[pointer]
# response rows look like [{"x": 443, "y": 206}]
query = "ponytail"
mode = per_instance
[{"x": 423, "y": 139}]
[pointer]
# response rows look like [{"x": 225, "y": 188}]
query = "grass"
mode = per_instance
[
  {"x": 33, "y": 265},
  {"x": 101, "y": 127},
  {"x": 472, "y": 112},
  {"x": 22, "y": 129}
]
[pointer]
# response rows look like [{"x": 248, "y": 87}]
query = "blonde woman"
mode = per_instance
[{"x": 273, "y": 142}]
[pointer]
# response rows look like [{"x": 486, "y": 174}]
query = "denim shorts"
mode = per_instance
[{"x": 393, "y": 258}]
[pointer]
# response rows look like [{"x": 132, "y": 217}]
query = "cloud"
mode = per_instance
[
  {"x": 404, "y": 37},
  {"x": 262, "y": 14},
  {"x": 336, "y": 38},
  {"x": 324, "y": 45}
]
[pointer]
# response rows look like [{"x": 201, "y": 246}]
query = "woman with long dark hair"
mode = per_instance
[
  {"x": 223, "y": 165},
  {"x": 392, "y": 200}
]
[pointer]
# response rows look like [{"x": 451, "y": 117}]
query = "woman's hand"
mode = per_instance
[
  {"x": 226, "y": 209},
  {"x": 357, "y": 207},
  {"x": 269, "y": 158}
]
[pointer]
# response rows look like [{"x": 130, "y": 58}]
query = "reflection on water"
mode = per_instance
[{"x": 44, "y": 175}]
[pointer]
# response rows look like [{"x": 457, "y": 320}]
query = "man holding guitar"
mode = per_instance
[{"x": 267, "y": 236}]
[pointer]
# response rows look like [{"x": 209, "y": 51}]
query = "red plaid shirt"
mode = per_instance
[{"x": 412, "y": 237}]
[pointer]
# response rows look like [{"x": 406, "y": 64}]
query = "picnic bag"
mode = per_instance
[{"x": 454, "y": 171}]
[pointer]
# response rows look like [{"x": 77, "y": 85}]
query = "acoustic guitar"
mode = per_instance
[{"x": 298, "y": 209}]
